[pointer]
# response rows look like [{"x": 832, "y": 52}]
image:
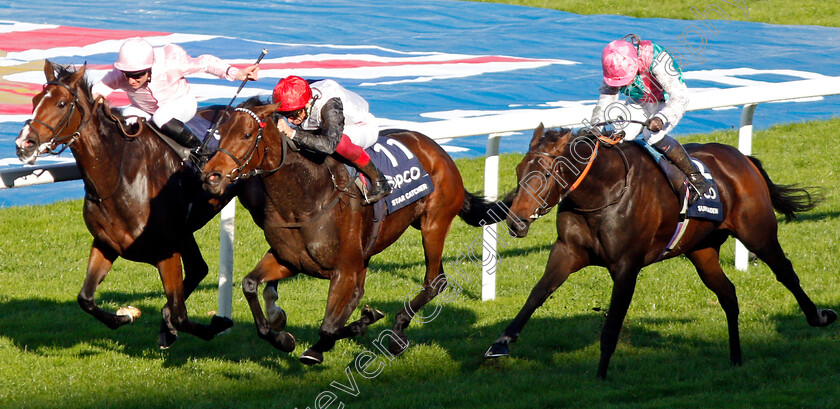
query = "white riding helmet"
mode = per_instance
[{"x": 136, "y": 54}]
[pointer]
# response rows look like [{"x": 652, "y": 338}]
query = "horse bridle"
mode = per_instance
[
  {"x": 236, "y": 173},
  {"x": 56, "y": 140},
  {"x": 543, "y": 209}
]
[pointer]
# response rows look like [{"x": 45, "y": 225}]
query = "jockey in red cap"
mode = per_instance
[
  {"x": 328, "y": 118},
  {"x": 648, "y": 77}
]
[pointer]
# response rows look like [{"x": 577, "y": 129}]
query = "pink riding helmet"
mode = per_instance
[
  {"x": 620, "y": 63},
  {"x": 136, "y": 54}
]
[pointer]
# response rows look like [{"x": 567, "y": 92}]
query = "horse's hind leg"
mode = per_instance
[
  {"x": 765, "y": 245},
  {"x": 274, "y": 315},
  {"x": 175, "y": 310},
  {"x": 707, "y": 262},
  {"x": 99, "y": 264},
  {"x": 268, "y": 269},
  {"x": 195, "y": 269},
  {"x": 434, "y": 228},
  {"x": 624, "y": 285}
]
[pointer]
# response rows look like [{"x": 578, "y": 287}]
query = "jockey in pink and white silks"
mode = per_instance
[
  {"x": 649, "y": 78},
  {"x": 327, "y": 118},
  {"x": 153, "y": 79}
]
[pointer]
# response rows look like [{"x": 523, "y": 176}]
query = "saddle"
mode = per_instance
[
  {"x": 200, "y": 127},
  {"x": 708, "y": 207}
]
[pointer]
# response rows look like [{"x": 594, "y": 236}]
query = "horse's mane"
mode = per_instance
[
  {"x": 553, "y": 135},
  {"x": 253, "y": 102},
  {"x": 63, "y": 74},
  {"x": 256, "y": 102}
]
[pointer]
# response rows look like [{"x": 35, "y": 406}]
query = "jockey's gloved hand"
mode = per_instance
[{"x": 655, "y": 125}]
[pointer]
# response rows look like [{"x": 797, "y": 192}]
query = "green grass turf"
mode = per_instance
[
  {"x": 807, "y": 12},
  {"x": 672, "y": 353}
]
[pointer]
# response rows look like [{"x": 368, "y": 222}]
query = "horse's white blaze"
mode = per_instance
[{"x": 24, "y": 134}]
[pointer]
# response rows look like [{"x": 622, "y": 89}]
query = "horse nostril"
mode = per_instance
[{"x": 214, "y": 178}]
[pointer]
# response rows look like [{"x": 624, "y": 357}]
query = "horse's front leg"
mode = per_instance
[
  {"x": 99, "y": 264},
  {"x": 346, "y": 289},
  {"x": 195, "y": 269},
  {"x": 562, "y": 262},
  {"x": 175, "y": 310},
  {"x": 268, "y": 269}
]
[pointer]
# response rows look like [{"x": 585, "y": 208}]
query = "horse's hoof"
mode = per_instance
[
  {"x": 311, "y": 357},
  {"x": 276, "y": 318},
  {"x": 167, "y": 335},
  {"x": 284, "y": 341},
  {"x": 397, "y": 347},
  {"x": 220, "y": 324},
  {"x": 371, "y": 314},
  {"x": 827, "y": 317},
  {"x": 131, "y": 312},
  {"x": 166, "y": 339},
  {"x": 497, "y": 350}
]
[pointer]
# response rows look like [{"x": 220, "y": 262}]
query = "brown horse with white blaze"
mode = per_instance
[
  {"x": 316, "y": 224},
  {"x": 623, "y": 214},
  {"x": 141, "y": 202}
]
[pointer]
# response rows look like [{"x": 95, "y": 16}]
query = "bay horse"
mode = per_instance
[
  {"x": 317, "y": 225},
  {"x": 141, "y": 202},
  {"x": 623, "y": 214}
]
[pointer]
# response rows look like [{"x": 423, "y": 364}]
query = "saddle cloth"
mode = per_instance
[
  {"x": 708, "y": 207},
  {"x": 408, "y": 179}
]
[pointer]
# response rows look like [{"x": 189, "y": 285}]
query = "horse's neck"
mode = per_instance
[
  {"x": 104, "y": 155},
  {"x": 605, "y": 179},
  {"x": 302, "y": 186}
]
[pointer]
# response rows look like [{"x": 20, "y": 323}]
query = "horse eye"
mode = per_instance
[
  {"x": 62, "y": 104},
  {"x": 247, "y": 136}
]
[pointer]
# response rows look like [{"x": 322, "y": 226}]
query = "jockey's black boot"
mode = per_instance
[
  {"x": 379, "y": 186},
  {"x": 679, "y": 157},
  {"x": 179, "y": 132}
]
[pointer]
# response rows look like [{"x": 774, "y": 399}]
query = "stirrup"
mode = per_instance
[
  {"x": 377, "y": 191},
  {"x": 698, "y": 186}
]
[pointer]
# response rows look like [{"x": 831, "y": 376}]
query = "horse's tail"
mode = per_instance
[
  {"x": 789, "y": 199},
  {"x": 478, "y": 211}
]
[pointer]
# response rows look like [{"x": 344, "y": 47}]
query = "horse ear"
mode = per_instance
[
  {"x": 538, "y": 134},
  {"x": 79, "y": 75},
  {"x": 49, "y": 70}
]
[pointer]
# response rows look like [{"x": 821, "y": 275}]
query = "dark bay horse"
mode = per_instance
[
  {"x": 623, "y": 214},
  {"x": 141, "y": 202},
  {"x": 316, "y": 224}
]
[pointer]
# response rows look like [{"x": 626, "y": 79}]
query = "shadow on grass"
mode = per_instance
[
  {"x": 551, "y": 351},
  {"x": 450, "y": 260}
]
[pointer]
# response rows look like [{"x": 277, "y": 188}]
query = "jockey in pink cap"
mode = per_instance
[
  {"x": 648, "y": 77},
  {"x": 325, "y": 117},
  {"x": 153, "y": 79}
]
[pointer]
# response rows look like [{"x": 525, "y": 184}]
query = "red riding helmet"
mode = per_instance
[{"x": 292, "y": 93}]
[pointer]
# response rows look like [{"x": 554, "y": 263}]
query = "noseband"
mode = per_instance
[
  {"x": 56, "y": 139},
  {"x": 545, "y": 207},
  {"x": 236, "y": 173}
]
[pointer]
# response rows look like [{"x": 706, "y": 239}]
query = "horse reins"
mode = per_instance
[
  {"x": 62, "y": 124},
  {"x": 606, "y": 140},
  {"x": 236, "y": 173},
  {"x": 67, "y": 141}
]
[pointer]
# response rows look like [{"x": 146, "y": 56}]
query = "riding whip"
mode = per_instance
[{"x": 212, "y": 131}]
